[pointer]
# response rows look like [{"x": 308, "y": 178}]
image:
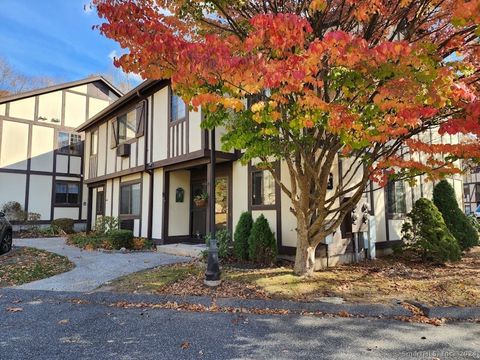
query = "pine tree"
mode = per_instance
[
  {"x": 456, "y": 221},
  {"x": 426, "y": 233},
  {"x": 262, "y": 246},
  {"x": 241, "y": 235}
]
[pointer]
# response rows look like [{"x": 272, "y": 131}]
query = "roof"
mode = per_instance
[
  {"x": 60, "y": 87},
  {"x": 131, "y": 95}
]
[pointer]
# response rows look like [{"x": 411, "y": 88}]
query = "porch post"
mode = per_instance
[{"x": 212, "y": 275}]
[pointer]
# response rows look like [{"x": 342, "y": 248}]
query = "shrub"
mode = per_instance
[
  {"x": 63, "y": 225},
  {"x": 14, "y": 211},
  {"x": 105, "y": 224},
  {"x": 426, "y": 234},
  {"x": 456, "y": 221},
  {"x": 121, "y": 239},
  {"x": 262, "y": 246},
  {"x": 242, "y": 232},
  {"x": 142, "y": 243},
  {"x": 224, "y": 243},
  {"x": 472, "y": 219},
  {"x": 86, "y": 241}
]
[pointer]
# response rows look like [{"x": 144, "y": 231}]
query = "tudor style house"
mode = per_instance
[
  {"x": 41, "y": 155},
  {"x": 147, "y": 160}
]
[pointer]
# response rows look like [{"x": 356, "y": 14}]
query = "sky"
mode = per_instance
[{"x": 54, "y": 38}]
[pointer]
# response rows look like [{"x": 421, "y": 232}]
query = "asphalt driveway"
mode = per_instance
[{"x": 92, "y": 268}]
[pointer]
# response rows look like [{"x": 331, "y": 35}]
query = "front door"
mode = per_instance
[{"x": 198, "y": 211}]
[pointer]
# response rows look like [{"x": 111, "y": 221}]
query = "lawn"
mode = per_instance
[
  {"x": 23, "y": 265},
  {"x": 380, "y": 281}
]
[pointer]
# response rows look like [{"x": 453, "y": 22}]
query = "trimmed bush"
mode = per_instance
[
  {"x": 224, "y": 243},
  {"x": 63, "y": 224},
  {"x": 456, "y": 221},
  {"x": 121, "y": 239},
  {"x": 426, "y": 234},
  {"x": 262, "y": 246},
  {"x": 241, "y": 235}
]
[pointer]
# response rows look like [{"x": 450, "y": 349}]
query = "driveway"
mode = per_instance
[
  {"x": 92, "y": 268},
  {"x": 52, "y": 325}
]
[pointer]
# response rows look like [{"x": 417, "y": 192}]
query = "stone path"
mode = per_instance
[{"x": 92, "y": 268}]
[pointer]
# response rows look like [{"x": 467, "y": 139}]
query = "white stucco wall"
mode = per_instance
[
  {"x": 40, "y": 197},
  {"x": 70, "y": 213},
  {"x": 75, "y": 109},
  {"x": 157, "y": 204},
  {"x": 12, "y": 188},
  {"x": 13, "y": 153},
  {"x": 42, "y": 148},
  {"x": 23, "y": 109}
]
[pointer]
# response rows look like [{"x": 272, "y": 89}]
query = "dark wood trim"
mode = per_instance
[
  {"x": 115, "y": 175},
  {"x": 43, "y": 222},
  {"x": 89, "y": 209},
  {"x": 37, "y": 172},
  {"x": 166, "y": 200},
  {"x": 387, "y": 244},
  {"x": 151, "y": 185}
]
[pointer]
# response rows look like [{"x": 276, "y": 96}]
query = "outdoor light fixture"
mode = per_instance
[{"x": 212, "y": 275}]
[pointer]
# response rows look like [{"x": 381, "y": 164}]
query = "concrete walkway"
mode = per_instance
[{"x": 92, "y": 268}]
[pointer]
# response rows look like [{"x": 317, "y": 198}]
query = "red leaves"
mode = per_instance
[{"x": 363, "y": 88}]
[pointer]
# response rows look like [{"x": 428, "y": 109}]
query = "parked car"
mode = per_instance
[
  {"x": 477, "y": 212},
  {"x": 5, "y": 234}
]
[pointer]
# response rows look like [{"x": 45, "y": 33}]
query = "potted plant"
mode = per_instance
[{"x": 201, "y": 200}]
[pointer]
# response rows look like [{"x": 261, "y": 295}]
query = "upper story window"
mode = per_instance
[
  {"x": 69, "y": 143},
  {"x": 129, "y": 125},
  {"x": 178, "y": 108},
  {"x": 263, "y": 188},
  {"x": 94, "y": 142},
  {"x": 67, "y": 193},
  {"x": 396, "y": 199}
]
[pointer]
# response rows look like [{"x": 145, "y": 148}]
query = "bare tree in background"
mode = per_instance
[
  {"x": 123, "y": 81},
  {"x": 14, "y": 82}
]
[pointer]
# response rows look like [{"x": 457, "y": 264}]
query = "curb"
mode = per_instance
[{"x": 360, "y": 310}]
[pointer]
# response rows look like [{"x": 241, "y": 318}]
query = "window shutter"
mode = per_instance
[
  {"x": 114, "y": 137},
  {"x": 141, "y": 112}
]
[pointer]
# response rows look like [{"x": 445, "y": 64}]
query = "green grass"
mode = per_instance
[
  {"x": 25, "y": 265},
  {"x": 149, "y": 281},
  {"x": 381, "y": 281}
]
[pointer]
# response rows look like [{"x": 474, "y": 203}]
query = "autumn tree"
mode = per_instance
[{"x": 325, "y": 78}]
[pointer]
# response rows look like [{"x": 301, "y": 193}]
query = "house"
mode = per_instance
[
  {"x": 471, "y": 191},
  {"x": 147, "y": 159},
  {"x": 41, "y": 155}
]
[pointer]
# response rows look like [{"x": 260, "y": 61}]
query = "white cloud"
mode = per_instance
[{"x": 112, "y": 55}]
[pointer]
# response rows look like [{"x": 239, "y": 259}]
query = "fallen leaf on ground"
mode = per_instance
[
  {"x": 185, "y": 345},
  {"x": 14, "y": 309},
  {"x": 64, "y": 322}
]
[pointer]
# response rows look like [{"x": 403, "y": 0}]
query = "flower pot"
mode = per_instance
[{"x": 200, "y": 203}]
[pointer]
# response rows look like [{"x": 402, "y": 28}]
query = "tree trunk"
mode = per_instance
[{"x": 305, "y": 255}]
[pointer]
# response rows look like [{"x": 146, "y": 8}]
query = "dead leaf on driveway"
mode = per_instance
[
  {"x": 14, "y": 309},
  {"x": 185, "y": 345},
  {"x": 64, "y": 322}
]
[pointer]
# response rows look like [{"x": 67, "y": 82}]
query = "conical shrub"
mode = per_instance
[
  {"x": 262, "y": 246},
  {"x": 241, "y": 235},
  {"x": 456, "y": 221}
]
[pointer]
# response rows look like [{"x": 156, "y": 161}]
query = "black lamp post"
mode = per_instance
[{"x": 212, "y": 275}]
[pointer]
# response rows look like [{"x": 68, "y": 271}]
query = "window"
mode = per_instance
[
  {"x": 67, "y": 193},
  {"x": 94, "y": 142},
  {"x": 69, "y": 143},
  {"x": 263, "y": 188},
  {"x": 130, "y": 199},
  {"x": 127, "y": 126},
  {"x": 396, "y": 198},
  {"x": 178, "y": 109}
]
